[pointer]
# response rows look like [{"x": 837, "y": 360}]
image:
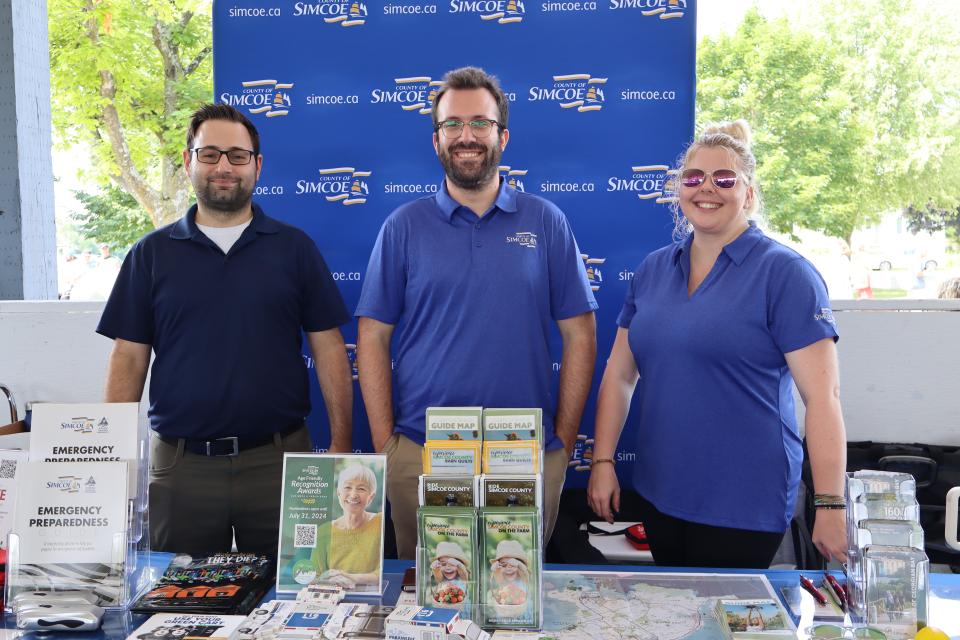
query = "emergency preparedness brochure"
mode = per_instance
[
  {"x": 331, "y": 522},
  {"x": 72, "y": 512}
]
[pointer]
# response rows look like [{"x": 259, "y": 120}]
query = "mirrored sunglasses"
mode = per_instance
[{"x": 721, "y": 178}]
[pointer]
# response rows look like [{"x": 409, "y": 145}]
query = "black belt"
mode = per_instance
[{"x": 229, "y": 445}]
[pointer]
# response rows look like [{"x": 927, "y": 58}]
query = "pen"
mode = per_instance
[
  {"x": 812, "y": 590},
  {"x": 837, "y": 589}
]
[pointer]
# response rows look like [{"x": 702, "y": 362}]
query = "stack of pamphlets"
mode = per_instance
[
  {"x": 511, "y": 549},
  {"x": 186, "y": 626},
  {"x": 887, "y": 568},
  {"x": 71, "y": 523},
  {"x": 453, "y": 439},
  {"x": 744, "y": 619},
  {"x": 485, "y": 564},
  {"x": 449, "y": 491},
  {"x": 224, "y": 583},
  {"x": 512, "y": 441},
  {"x": 447, "y": 558},
  {"x": 511, "y": 491}
]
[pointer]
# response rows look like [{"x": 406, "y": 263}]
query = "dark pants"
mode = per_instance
[
  {"x": 679, "y": 543},
  {"x": 199, "y": 503}
]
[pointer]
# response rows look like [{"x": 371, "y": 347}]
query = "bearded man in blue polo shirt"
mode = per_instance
[
  {"x": 221, "y": 297},
  {"x": 478, "y": 274}
]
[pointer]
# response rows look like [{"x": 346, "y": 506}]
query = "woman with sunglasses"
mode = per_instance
[{"x": 715, "y": 329}]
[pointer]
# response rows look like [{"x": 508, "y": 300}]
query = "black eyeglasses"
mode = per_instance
[
  {"x": 479, "y": 127},
  {"x": 721, "y": 178},
  {"x": 211, "y": 155}
]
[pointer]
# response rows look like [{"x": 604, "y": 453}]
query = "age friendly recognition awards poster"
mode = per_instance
[{"x": 331, "y": 522}]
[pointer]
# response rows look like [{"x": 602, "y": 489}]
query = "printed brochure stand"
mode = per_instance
[{"x": 128, "y": 575}]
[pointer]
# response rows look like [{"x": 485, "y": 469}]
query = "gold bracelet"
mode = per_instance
[{"x": 601, "y": 461}]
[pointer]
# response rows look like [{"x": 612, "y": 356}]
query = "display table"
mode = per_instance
[{"x": 944, "y": 598}]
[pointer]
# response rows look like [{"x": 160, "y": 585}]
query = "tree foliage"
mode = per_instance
[
  {"x": 112, "y": 216},
  {"x": 125, "y": 75},
  {"x": 852, "y": 111}
]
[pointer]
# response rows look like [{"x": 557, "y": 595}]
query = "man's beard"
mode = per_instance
[
  {"x": 226, "y": 201},
  {"x": 477, "y": 176}
]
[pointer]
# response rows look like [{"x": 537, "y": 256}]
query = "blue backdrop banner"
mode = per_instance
[{"x": 601, "y": 104}]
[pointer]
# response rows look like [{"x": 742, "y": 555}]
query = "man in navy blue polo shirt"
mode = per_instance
[
  {"x": 479, "y": 274},
  {"x": 221, "y": 297}
]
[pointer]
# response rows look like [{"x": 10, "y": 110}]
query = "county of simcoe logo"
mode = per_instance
[
  {"x": 665, "y": 9},
  {"x": 650, "y": 182},
  {"x": 345, "y": 185},
  {"x": 499, "y": 11},
  {"x": 346, "y": 13},
  {"x": 526, "y": 239},
  {"x": 415, "y": 93},
  {"x": 268, "y": 97},
  {"x": 594, "y": 276},
  {"x": 78, "y": 425},
  {"x": 579, "y": 91},
  {"x": 66, "y": 484},
  {"x": 513, "y": 177}
]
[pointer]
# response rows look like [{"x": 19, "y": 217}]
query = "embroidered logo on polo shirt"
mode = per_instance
[
  {"x": 826, "y": 313},
  {"x": 524, "y": 239}
]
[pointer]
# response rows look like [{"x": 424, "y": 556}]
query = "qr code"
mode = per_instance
[
  {"x": 8, "y": 468},
  {"x": 304, "y": 536}
]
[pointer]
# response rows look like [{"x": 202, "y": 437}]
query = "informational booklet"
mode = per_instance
[
  {"x": 451, "y": 457},
  {"x": 11, "y": 466},
  {"x": 101, "y": 432},
  {"x": 222, "y": 583},
  {"x": 454, "y": 423},
  {"x": 762, "y": 618},
  {"x": 511, "y": 457},
  {"x": 511, "y": 548},
  {"x": 447, "y": 558},
  {"x": 331, "y": 522},
  {"x": 72, "y": 512},
  {"x": 511, "y": 491},
  {"x": 449, "y": 491},
  {"x": 187, "y": 626},
  {"x": 513, "y": 424}
]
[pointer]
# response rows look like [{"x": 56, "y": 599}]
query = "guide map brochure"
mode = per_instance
[
  {"x": 454, "y": 423},
  {"x": 224, "y": 583},
  {"x": 331, "y": 522}
]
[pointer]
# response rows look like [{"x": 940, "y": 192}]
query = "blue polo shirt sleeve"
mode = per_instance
[
  {"x": 384, "y": 286},
  {"x": 629, "y": 308},
  {"x": 323, "y": 307},
  {"x": 799, "y": 313},
  {"x": 128, "y": 313},
  {"x": 570, "y": 293}
]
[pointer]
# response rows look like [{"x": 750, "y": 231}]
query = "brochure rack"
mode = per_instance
[
  {"x": 128, "y": 574},
  {"x": 887, "y": 569}
]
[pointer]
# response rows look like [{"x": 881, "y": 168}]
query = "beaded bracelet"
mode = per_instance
[
  {"x": 601, "y": 461},
  {"x": 829, "y": 497},
  {"x": 830, "y": 506}
]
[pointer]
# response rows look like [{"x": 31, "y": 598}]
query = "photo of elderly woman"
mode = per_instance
[
  {"x": 349, "y": 550},
  {"x": 332, "y": 522}
]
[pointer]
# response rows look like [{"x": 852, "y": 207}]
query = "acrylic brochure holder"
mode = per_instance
[{"x": 122, "y": 570}]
